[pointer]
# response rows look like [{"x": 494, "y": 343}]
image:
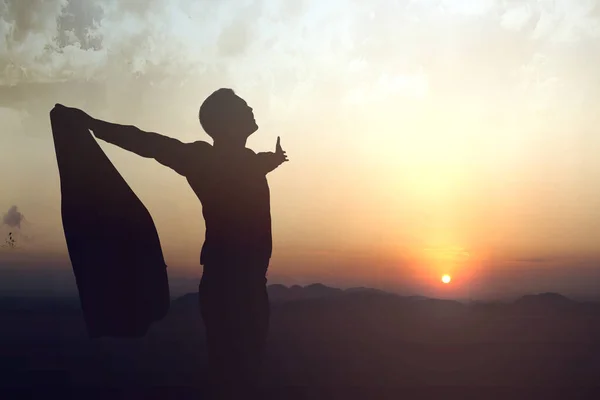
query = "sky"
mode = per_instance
[{"x": 425, "y": 137}]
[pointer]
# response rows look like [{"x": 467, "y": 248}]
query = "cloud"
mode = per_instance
[
  {"x": 13, "y": 218},
  {"x": 27, "y": 29},
  {"x": 24, "y": 18},
  {"x": 517, "y": 17},
  {"x": 295, "y": 53},
  {"x": 533, "y": 260},
  {"x": 57, "y": 40}
]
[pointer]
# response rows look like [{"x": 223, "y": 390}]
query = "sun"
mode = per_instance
[{"x": 446, "y": 278}]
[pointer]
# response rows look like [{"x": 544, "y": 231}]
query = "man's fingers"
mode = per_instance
[{"x": 279, "y": 150}]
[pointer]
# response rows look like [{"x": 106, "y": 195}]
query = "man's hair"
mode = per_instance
[{"x": 215, "y": 110}]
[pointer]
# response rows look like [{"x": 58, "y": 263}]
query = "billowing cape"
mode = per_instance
[{"x": 113, "y": 245}]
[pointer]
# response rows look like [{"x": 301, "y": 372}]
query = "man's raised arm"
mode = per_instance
[
  {"x": 131, "y": 138},
  {"x": 166, "y": 150}
]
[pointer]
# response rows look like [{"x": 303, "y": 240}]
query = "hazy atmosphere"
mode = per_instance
[{"x": 425, "y": 137}]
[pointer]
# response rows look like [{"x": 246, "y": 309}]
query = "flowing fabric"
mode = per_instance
[{"x": 113, "y": 244}]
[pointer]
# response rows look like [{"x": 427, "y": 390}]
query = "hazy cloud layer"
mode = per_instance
[
  {"x": 347, "y": 54},
  {"x": 58, "y": 40}
]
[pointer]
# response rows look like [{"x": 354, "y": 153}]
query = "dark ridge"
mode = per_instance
[{"x": 549, "y": 298}]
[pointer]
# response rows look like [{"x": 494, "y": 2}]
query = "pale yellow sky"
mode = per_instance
[{"x": 425, "y": 137}]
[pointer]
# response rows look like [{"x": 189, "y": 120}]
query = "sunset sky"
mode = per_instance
[{"x": 425, "y": 137}]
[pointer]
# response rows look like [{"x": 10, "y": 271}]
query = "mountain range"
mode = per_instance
[{"x": 319, "y": 337}]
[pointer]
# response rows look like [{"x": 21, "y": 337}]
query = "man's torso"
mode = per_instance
[{"x": 235, "y": 199}]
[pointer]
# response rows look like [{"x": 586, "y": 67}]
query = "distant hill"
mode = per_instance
[
  {"x": 279, "y": 292},
  {"x": 363, "y": 296},
  {"x": 282, "y": 293},
  {"x": 544, "y": 298},
  {"x": 320, "y": 336},
  {"x": 545, "y": 302}
]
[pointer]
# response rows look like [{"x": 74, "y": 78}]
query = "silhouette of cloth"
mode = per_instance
[{"x": 113, "y": 245}]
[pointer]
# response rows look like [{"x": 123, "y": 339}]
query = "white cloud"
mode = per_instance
[
  {"x": 516, "y": 18},
  {"x": 468, "y": 7},
  {"x": 340, "y": 48}
]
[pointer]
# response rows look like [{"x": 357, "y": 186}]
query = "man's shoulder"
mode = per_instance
[{"x": 200, "y": 145}]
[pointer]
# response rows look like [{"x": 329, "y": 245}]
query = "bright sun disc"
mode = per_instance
[{"x": 446, "y": 278}]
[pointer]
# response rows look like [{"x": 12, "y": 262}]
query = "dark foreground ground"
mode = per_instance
[{"x": 324, "y": 343}]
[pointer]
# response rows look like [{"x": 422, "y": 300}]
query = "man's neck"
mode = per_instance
[{"x": 230, "y": 145}]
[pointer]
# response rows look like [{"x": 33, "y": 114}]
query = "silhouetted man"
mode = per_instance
[{"x": 230, "y": 181}]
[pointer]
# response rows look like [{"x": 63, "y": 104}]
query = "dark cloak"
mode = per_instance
[{"x": 113, "y": 244}]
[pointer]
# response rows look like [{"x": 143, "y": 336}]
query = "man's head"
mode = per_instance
[{"x": 226, "y": 116}]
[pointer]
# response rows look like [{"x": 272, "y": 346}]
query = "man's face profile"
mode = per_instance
[{"x": 242, "y": 117}]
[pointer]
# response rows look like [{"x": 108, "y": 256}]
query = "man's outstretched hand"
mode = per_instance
[
  {"x": 75, "y": 113},
  {"x": 271, "y": 160},
  {"x": 279, "y": 153}
]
